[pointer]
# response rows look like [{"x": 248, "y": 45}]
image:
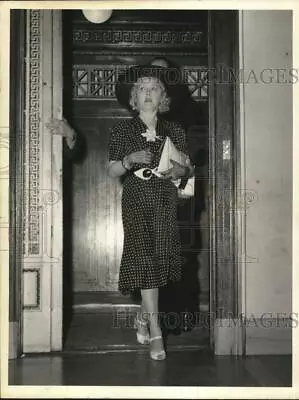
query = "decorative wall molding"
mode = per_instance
[
  {"x": 31, "y": 299},
  {"x": 140, "y": 37},
  {"x": 197, "y": 81},
  {"x": 98, "y": 81},
  {"x": 32, "y": 129},
  {"x": 95, "y": 81}
]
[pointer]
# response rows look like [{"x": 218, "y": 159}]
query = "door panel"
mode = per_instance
[{"x": 97, "y": 228}]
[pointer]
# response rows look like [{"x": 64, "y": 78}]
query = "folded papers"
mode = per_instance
[{"x": 170, "y": 152}]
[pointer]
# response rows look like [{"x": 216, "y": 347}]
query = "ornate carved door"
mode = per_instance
[{"x": 42, "y": 244}]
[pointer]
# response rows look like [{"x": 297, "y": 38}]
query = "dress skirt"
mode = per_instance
[{"x": 151, "y": 254}]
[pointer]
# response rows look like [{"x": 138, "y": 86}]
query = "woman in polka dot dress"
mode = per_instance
[{"x": 151, "y": 253}]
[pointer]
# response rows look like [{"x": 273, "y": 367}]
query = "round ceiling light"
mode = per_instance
[{"x": 97, "y": 16}]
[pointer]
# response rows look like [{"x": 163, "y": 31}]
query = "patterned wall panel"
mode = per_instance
[{"x": 98, "y": 81}]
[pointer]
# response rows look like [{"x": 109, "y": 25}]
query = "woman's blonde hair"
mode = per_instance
[{"x": 164, "y": 102}]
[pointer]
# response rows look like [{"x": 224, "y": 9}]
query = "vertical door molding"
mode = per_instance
[
  {"x": 57, "y": 189},
  {"x": 16, "y": 152},
  {"x": 226, "y": 326}
]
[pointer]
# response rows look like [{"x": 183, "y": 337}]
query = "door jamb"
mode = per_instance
[{"x": 227, "y": 328}]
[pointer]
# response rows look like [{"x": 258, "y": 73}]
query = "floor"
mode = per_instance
[
  {"x": 135, "y": 368},
  {"x": 115, "y": 331},
  {"x": 101, "y": 350},
  {"x": 108, "y": 321}
]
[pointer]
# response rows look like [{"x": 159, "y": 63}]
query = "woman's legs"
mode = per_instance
[
  {"x": 143, "y": 314},
  {"x": 141, "y": 323},
  {"x": 150, "y": 307}
]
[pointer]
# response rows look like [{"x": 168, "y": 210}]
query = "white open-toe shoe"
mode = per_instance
[{"x": 157, "y": 355}]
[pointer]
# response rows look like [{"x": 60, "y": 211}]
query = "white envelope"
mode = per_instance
[{"x": 170, "y": 152}]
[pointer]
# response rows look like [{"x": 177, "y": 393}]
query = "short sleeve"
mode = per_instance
[{"x": 116, "y": 150}]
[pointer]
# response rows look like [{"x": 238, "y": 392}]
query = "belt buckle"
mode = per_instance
[{"x": 144, "y": 173}]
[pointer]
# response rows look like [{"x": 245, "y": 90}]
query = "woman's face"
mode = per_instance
[{"x": 148, "y": 93}]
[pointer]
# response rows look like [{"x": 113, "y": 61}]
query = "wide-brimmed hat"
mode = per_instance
[{"x": 127, "y": 79}]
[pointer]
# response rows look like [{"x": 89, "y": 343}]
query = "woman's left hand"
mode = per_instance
[{"x": 176, "y": 172}]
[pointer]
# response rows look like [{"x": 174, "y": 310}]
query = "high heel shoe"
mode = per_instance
[
  {"x": 142, "y": 338},
  {"x": 157, "y": 355}
]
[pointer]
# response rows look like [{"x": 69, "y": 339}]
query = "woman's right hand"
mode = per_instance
[
  {"x": 61, "y": 127},
  {"x": 140, "y": 157}
]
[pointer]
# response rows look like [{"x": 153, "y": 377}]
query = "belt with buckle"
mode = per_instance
[{"x": 147, "y": 173}]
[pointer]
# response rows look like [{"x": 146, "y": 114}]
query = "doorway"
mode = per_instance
[
  {"x": 92, "y": 201},
  {"x": 91, "y": 108}
]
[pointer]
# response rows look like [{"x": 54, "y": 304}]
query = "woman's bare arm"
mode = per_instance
[{"x": 116, "y": 168}]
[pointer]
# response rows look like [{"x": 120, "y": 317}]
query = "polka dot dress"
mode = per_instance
[{"x": 152, "y": 251}]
